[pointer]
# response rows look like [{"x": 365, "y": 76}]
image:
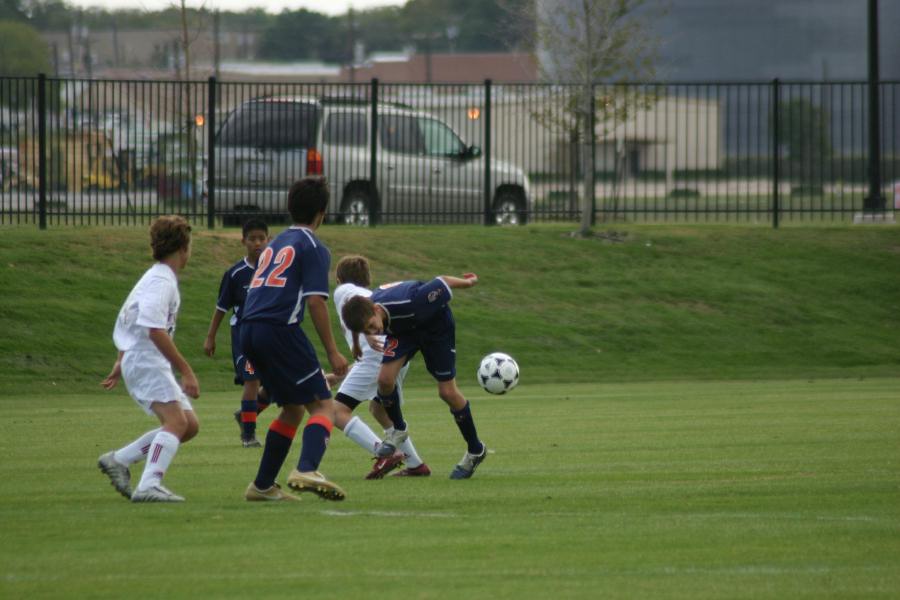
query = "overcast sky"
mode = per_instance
[{"x": 331, "y": 7}]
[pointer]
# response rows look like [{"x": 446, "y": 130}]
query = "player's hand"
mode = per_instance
[
  {"x": 339, "y": 364},
  {"x": 472, "y": 278},
  {"x": 209, "y": 346},
  {"x": 113, "y": 378},
  {"x": 332, "y": 379},
  {"x": 190, "y": 385},
  {"x": 375, "y": 343}
]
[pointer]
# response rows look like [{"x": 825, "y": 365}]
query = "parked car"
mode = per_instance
[{"x": 424, "y": 170}]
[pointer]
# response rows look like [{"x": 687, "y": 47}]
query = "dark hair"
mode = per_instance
[
  {"x": 253, "y": 225},
  {"x": 307, "y": 198},
  {"x": 168, "y": 235},
  {"x": 353, "y": 269},
  {"x": 356, "y": 313}
]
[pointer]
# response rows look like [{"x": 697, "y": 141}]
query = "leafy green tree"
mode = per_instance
[
  {"x": 303, "y": 34},
  {"x": 806, "y": 135},
  {"x": 23, "y": 53},
  {"x": 12, "y": 10}
]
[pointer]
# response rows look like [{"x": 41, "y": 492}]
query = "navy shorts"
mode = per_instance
[
  {"x": 243, "y": 370},
  {"x": 285, "y": 362},
  {"x": 436, "y": 341}
]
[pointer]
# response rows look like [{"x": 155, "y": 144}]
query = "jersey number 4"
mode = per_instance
[{"x": 283, "y": 261}]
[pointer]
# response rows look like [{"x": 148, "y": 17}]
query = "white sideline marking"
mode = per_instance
[{"x": 387, "y": 513}]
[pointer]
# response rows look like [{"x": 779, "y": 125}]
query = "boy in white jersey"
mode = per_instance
[
  {"x": 361, "y": 384},
  {"x": 147, "y": 354}
]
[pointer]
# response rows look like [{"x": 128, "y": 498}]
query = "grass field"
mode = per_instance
[
  {"x": 778, "y": 489},
  {"x": 704, "y": 412}
]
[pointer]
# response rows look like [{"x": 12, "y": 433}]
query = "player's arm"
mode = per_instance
[
  {"x": 209, "y": 346},
  {"x": 167, "y": 348},
  {"x": 113, "y": 378},
  {"x": 318, "y": 312},
  {"x": 466, "y": 281}
]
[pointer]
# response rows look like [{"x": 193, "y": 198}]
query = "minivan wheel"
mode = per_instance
[
  {"x": 355, "y": 210},
  {"x": 508, "y": 209}
]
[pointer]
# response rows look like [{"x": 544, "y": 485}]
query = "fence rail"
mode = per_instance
[{"x": 122, "y": 152}]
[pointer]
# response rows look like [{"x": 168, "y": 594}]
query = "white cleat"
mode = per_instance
[
  {"x": 119, "y": 475},
  {"x": 391, "y": 442},
  {"x": 156, "y": 493}
]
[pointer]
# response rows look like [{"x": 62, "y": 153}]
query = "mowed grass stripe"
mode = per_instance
[{"x": 666, "y": 490}]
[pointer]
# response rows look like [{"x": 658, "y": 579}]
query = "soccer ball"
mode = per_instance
[{"x": 498, "y": 373}]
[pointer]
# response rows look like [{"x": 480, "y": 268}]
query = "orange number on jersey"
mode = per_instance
[
  {"x": 248, "y": 368},
  {"x": 264, "y": 260},
  {"x": 390, "y": 346},
  {"x": 283, "y": 262}
]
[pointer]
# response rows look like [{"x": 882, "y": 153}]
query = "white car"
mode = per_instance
[{"x": 424, "y": 171}]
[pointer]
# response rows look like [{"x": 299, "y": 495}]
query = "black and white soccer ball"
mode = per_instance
[{"x": 498, "y": 373}]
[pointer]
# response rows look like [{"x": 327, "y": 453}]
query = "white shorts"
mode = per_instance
[
  {"x": 361, "y": 383},
  {"x": 149, "y": 378}
]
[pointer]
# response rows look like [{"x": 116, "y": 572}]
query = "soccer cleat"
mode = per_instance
[
  {"x": 468, "y": 464},
  {"x": 156, "y": 493},
  {"x": 391, "y": 442},
  {"x": 420, "y": 471},
  {"x": 119, "y": 475},
  {"x": 250, "y": 443},
  {"x": 384, "y": 465},
  {"x": 316, "y": 483},
  {"x": 273, "y": 494}
]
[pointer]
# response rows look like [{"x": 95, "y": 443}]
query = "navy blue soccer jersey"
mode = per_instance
[
  {"x": 411, "y": 304},
  {"x": 233, "y": 289},
  {"x": 293, "y": 266}
]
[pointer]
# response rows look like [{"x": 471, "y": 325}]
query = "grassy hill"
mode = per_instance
[{"x": 638, "y": 303}]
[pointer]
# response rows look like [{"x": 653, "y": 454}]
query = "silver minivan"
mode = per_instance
[{"x": 425, "y": 173}]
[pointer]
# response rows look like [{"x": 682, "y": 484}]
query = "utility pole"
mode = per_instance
[
  {"x": 352, "y": 52},
  {"x": 874, "y": 202},
  {"x": 217, "y": 50}
]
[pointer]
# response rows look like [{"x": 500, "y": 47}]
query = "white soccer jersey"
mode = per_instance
[
  {"x": 361, "y": 382},
  {"x": 344, "y": 292},
  {"x": 152, "y": 303}
]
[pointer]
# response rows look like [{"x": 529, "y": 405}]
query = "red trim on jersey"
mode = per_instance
[
  {"x": 284, "y": 429},
  {"x": 321, "y": 420}
]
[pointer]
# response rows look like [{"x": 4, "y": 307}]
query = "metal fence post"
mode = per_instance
[
  {"x": 211, "y": 154},
  {"x": 373, "y": 156},
  {"x": 593, "y": 175},
  {"x": 42, "y": 151},
  {"x": 776, "y": 150},
  {"x": 487, "y": 153}
]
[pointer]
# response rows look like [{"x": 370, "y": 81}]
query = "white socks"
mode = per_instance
[
  {"x": 357, "y": 430},
  {"x": 136, "y": 450},
  {"x": 412, "y": 459},
  {"x": 162, "y": 451}
]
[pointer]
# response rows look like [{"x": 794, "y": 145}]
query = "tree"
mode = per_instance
[
  {"x": 23, "y": 53},
  {"x": 587, "y": 42},
  {"x": 303, "y": 34},
  {"x": 805, "y": 131}
]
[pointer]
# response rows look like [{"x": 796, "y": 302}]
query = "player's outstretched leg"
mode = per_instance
[
  {"x": 462, "y": 413},
  {"x": 415, "y": 466},
  {"x": 273, "y": 494},
  {"x": 119, "y": 475},
  {"x": 306, "y": 477}
]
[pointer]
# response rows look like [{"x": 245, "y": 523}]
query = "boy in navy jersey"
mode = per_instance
[
  {"x": 415, "y": 316},
  {"x": 291, "y": 277},
  {"x": 232, "y": 293}
]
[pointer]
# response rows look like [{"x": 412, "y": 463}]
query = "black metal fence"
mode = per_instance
[{"x": 97, "y": 151}]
